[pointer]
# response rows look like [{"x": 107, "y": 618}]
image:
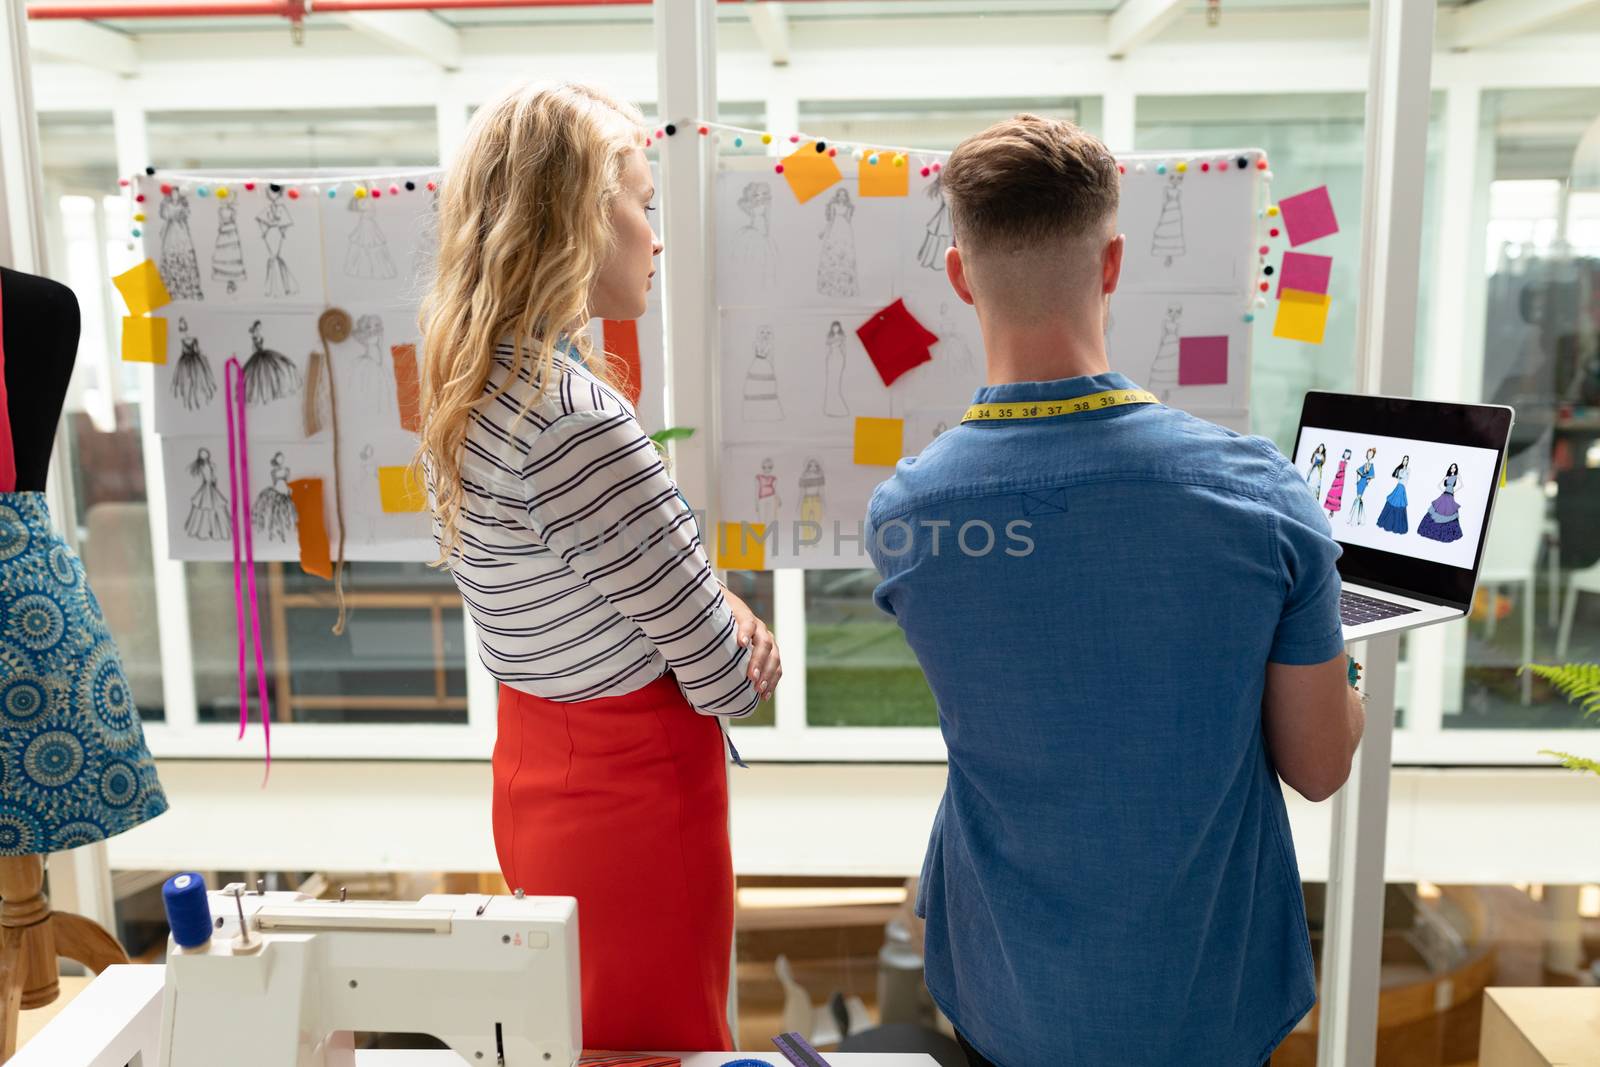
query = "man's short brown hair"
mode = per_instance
[{"x": 1029, "y": 181}]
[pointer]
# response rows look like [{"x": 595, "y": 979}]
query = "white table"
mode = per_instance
[{"x": 118, "y": 1018}]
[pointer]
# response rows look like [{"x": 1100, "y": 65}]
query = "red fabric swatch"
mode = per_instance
[
  {"x": 621, "y": 337},
  {"x": 407, "y": 387},
  {"x": 625, "y": 1059},
  {"x": 895, "y": 341}
]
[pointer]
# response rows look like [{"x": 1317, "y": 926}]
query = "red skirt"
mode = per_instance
[{"x": 622, "y": 802}]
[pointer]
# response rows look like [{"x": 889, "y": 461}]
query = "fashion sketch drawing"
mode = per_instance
[
  {"x": 836, "y": 264},
  {"x": 754, "y": 251},
  {"x": 1334, "y": 501},
  {"x": 227, "y": 255},
  {"x": 767, "y": 500},
  {"x": 1393, "y": 516},
  {"x": 371, "y": 378},
  {"x": 1319, "y": 458},
  {"x": 275, "y": 221},
  {"x": 180, "y": 268},
  {"x": 273, "y": 513},
  {"x": 1443, "y": 520},
  {"x": 1167, "y": 241},
  {"x": 208, "y": 508},
  {"x": 761, "y": 403},
  {"x": 1164, "y": 370},
  {"x": 1364, "y": 475},
  {"x": 192, "y": 380},
  {"x": 812, "y": 482},
  {"x": 268, "y": 374},
  {"x": 936, "y": 236},
  {"x": 834, "y": 404},
  {"x": 368, "y": 252}
]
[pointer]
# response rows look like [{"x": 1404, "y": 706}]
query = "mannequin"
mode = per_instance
[
  {"x": 41, "y": 343},
  {"x": 39, "y": 325}
]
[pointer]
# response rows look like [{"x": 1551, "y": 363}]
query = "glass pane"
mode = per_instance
[
  {"x": 859, "y": 669},
  {"x": 1539, "y": 595},
  {"x": 1311, "y": 139},
  {"x": 380, "y": 137},
  {"x": 401, "y": 658},
  {"x": 87, "y": 235},
  {"x": 756, "y": 589},
  {"x": 940, "y": 124}
]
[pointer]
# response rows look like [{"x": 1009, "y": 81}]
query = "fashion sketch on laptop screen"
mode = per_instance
[
  {"x": 1407, "y": 487},
  {"x": 1401, "y": 495}
]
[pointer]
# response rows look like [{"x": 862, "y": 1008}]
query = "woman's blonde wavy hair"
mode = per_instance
[{"x": 524, "y": 228}]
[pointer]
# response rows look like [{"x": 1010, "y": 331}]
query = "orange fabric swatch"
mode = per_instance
[
  {"x": 314, "y": 557},
  {"x": 407, "y": 386},
  {"x": 621, "y": 338}
]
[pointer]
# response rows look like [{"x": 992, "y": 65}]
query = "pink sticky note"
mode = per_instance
[
  {"x": 1308, "y": 215},
  {"x": 1202, "y": 361},
  {"x": 1304, "y": 272}
]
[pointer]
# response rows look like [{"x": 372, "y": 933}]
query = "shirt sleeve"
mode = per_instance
[
  {"x": 1309, "y": 629},
  {"x": 598, "y": 496}
]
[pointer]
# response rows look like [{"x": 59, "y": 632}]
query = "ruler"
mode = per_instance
[{"x": 1048, "y": 409}]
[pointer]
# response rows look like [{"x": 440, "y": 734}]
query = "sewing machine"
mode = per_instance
[{"x": 285, "y": 979}]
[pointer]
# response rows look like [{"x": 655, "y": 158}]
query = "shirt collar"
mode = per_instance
[{"x": 1057, "y": 389}]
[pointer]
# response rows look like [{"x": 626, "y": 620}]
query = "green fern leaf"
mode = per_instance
[
  {"x": 1578, "y": 682},
  {"x": 1573, "y": 763}
]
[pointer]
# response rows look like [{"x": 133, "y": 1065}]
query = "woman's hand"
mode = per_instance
[{"x": 765, "y": 667}]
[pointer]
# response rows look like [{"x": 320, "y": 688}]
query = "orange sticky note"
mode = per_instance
[
  {"x": 880, "y": 442},
  {"x": 809, "y": 172},
  {"x": 407, "y": 386},
  {"x": 740, "y": 546},
  {"x": 143, "y": 288},
  {"x": 1302, "y": 316},
  {"x": 314, "y": 555},
  {"x": 883, "y": 178},
  {"x": 621, "y": 337},
  {"x": 398, "y": 491},
  {"x": 144, "y": 339}
]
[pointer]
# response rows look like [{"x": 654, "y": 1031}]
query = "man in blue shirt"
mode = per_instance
[{"x": 1129, "y": 620}]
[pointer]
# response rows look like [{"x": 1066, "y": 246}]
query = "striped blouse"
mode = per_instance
[{"x": 580, "y": 561}]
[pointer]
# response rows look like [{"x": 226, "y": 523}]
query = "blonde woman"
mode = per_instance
[{"x": 617, "y": 650}]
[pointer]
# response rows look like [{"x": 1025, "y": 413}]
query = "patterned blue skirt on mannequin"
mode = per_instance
[{"x": 73, "y": 763}]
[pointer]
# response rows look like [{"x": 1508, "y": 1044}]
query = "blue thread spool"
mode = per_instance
[{"x": 188, "y": 909}]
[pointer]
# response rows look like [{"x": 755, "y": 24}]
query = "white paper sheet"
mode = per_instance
[
  {"x": 380, "y": 251},
  {"x": 273, "y": 348},
  {"x": 798, "y": 376},
  {"x": 1146, "y": 338},
  {"x": 254, "y": 246},
  {"x": 815, "y": 514},
  {"x": 1190, "y": 232},
  {"x": 835, "y": 250}
]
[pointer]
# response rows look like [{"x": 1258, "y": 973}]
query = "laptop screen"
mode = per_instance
[{"x": 1407, "y": 486}]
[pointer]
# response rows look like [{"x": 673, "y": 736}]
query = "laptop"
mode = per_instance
[{"x": 1408, "y": 489}]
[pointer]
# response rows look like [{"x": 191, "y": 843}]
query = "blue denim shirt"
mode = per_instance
[{"x": 1110, "y": 878}]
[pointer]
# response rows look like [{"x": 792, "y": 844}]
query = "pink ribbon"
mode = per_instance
[{"x": 244, "y": 572}]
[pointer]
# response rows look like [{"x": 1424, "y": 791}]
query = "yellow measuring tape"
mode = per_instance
[{"x": 1044, "y": 409}]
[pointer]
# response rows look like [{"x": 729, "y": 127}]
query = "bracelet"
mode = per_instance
[{"x": 1355, "y": 672}]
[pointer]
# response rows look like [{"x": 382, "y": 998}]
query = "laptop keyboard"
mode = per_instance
[{"x": 1355, "y": 609}]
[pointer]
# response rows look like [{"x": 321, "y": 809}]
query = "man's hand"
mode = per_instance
[{"x": 765, "y": 666}]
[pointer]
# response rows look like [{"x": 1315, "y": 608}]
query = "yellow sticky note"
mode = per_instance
[
  {"x": 1302, "y": 316},
  {"x": 740, "y": 546},
  {"x": 809, "y": 172},
  {"x": 880, "y": 442},
  {"x": 143, "y": 288},
  {"x": 884, "y": 178},
  {"x": 144, "y": 339},
  {"x": 399, "y": 491}
]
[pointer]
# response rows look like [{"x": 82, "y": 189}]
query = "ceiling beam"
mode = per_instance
[
  {"x": 771, "y": 22},
  {"x": 1488, "y": 22},
  {"x": 86, "y": 43},
  {"x": 1138, "y": 21},
  {"x": 417, "y": 33}
]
